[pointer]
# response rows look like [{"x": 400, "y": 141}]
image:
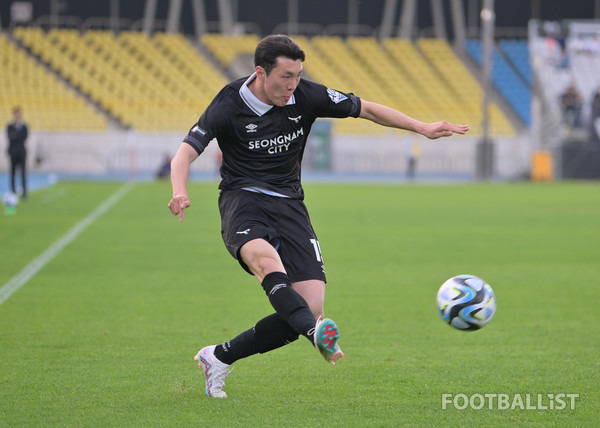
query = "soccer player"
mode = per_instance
[{"x": 261, "y": 124}]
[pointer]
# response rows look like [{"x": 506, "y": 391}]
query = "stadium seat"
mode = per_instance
[
  {"x": 348, "y": 74},
  {"x": 227, "y": 48},
  {"x": 400, "y": 92},
  {"x": 162, "y": 83},
  {"x": 48, "y": 103},
  {"x": 151, "y": 84},
  {"x": 440, "y": 101},
  {"x": 464, "y": 86},
  {"x": 505, "y": 79},
  {"x": 517, "y": 52}
]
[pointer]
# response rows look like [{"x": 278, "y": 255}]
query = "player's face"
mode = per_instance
[{"x": 281, "y": 83}]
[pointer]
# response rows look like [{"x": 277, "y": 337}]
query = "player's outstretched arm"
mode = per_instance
[
  {"x": 180, "y": 171},
  {"x": 389, "y": 117}
]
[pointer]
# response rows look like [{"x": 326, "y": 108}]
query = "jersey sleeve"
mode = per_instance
[
  {"x": 207, "y": 127},
  {"x": 327, "y": 102}
]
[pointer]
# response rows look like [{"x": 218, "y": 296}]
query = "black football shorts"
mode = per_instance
[{"x": 284, "y": 222}]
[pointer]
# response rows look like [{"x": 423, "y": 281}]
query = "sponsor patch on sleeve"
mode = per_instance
[
  {"x": 197, "y": 130},
  {"x": 336, "y": 96}
]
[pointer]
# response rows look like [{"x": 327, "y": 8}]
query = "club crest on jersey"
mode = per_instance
[
  {"x": 251, "y": 127},
  {"x": 295, "y": 119},
  {"x": 336, "y": 96}
]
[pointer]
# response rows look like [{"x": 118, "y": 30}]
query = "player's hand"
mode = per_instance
[
  {"x": 179, "y": 203},
  {"x": 443, "y": 129}
]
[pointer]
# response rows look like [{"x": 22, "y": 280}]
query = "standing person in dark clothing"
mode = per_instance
[
  {"x": 17, "y": 135},
  {"x": 571, "y": 103},
  {"x": 261, "y": 124},
  {"x": 595, "y": 118}
]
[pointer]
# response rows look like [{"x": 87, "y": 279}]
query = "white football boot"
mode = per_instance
[{"x": 215, "y": 371}]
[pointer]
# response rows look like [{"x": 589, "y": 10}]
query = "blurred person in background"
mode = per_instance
[
  {"x": 164, "y": 171},
  {"x": 413, "y": 151},
  {"x": 571, "y": 104},
  {"x": 595, "y": 118},
  {"x": 131, "y": 143},
  {"x": 17, "y": 133}
]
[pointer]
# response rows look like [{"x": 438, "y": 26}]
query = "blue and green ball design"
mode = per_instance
[{"x": 466, "y": 302}]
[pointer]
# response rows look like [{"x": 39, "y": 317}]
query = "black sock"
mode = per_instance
[
  {"x": 293, "y": 317},
  {"x": 289, "y": 305},
  {"x": 241, "y": 346},
  {"x": 270, "y": 333},
  {"x": 273, "y": 332}
]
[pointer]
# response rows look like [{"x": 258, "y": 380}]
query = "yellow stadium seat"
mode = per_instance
[
  {"x": 47, "y": 103},
  {"x": 227, "y": 48}
]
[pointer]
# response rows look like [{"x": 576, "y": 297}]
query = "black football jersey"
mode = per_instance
[{"x": 263, "y": 145}]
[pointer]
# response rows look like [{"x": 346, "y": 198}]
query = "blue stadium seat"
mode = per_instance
[
  {"x": 517, "y": 52},
  {"x": 506, "y": 80}
]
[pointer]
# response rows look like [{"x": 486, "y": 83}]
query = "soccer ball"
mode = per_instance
[
  {"x": 466, "y": 302},
  {"x": 10, "y": 199}
]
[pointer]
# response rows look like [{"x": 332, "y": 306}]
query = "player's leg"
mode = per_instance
[
  {"x": 326, "y": 332},
  {"x": 273, "y": 331},
  {"x": 261, "y": 258},
  {"x": 244, "y": 221},
  {"x": 270, "y": 333},
  {"x": 313, "y": 291},
  {"x": 301, "y": 252},
  {"x": 264, "y": 262}
]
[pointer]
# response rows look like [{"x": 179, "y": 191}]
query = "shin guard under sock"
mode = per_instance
[{"x": 290, "y": 305}]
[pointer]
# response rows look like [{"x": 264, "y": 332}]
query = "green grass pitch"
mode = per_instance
[{"x": 105, "y": 333}]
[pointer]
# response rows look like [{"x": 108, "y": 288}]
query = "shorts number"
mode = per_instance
[{"x": 317, "y": 248}]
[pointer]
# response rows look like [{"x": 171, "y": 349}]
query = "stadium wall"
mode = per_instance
[{"x": 141, "y": 154}]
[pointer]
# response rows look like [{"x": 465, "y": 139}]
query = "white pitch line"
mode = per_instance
[{"x": 42, "y": 260}]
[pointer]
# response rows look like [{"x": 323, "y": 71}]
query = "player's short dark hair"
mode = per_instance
[{"x": 274, "y": 46}]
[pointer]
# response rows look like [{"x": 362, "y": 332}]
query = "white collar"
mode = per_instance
[{"x": 256, "y": 105}]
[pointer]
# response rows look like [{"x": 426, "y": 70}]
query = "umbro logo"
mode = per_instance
[
  {"x": 295, "y": 119},
  {"x": 251, "y": 127}
]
